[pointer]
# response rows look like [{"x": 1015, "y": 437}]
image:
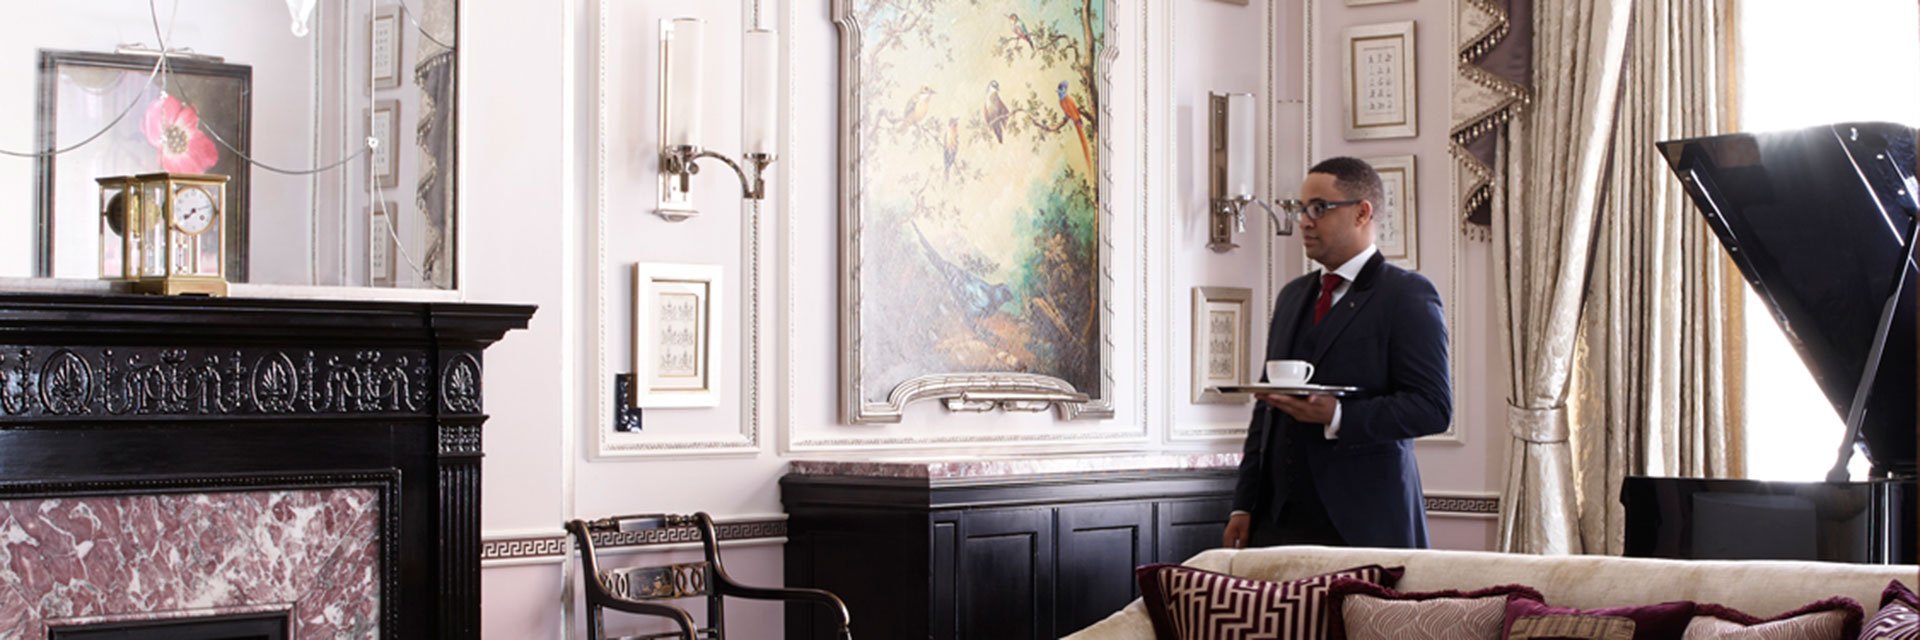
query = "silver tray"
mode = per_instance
[{"x": 1289, "y": 389}]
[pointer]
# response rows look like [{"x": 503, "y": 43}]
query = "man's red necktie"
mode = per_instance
[{"x": 1328, "y": 282}]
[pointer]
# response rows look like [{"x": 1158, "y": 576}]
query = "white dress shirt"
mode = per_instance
[{"x": 1347, "y": 271}]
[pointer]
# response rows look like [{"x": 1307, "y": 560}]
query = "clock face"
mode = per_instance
[{"x": 193, "y": 210}]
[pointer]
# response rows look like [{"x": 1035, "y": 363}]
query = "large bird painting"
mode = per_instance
[{"x": 976, "y": 142}]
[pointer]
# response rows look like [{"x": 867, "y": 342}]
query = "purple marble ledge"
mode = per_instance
[{"x": 961, "y": 466}]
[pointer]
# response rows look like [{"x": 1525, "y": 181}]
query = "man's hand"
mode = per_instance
[
  {"x": 1236, "y": 535},
  {"x": 1313, "y": 409}
]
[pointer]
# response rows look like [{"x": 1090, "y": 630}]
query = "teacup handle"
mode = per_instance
[{"x": 1309, "y": 377}]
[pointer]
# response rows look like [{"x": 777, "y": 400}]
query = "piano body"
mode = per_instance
[{"x": 1821, "y": 223}]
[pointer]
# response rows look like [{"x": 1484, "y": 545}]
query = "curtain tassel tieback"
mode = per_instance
[{"x": 1538, "y": 425}]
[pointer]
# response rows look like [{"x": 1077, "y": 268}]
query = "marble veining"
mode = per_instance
[
  {"x": 960, "y": 466},
  {"x": 71, "y": 561}
]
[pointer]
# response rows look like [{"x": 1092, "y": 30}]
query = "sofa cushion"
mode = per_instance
[
  {"x": 1364, "y": 611},
  {"x": 1185, "y": 603},
  {"x": 1899, "y": 616},
  {"x": 1836, "y": 618},
  {"x": 1533, "y": 620}
]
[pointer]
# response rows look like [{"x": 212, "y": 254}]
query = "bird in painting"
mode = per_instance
[
  {"x": 995, "y": 113},
  {"x": 1072, "y": 110},
  {"x": 977, "y": 298},
  {"x": 917, "y": 108},
  {"x": 1020, "y": 29},
  {"x": 950, "y": 147}
]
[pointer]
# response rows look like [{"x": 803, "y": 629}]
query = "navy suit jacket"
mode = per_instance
[{"x": 1388, "y": 337}]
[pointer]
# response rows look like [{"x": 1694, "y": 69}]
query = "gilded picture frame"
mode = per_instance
[
  {"x": 386, "y": 39},
  {"x": 973, "y": 206},
  {"x": 675, "y": 352},
  {"x": 382, "y": 251},
  {"x": 1222, "y": 332},
  {"x": 1379, "y": 97},
  {"x": 383, "y": 123},
  {"x": 1396, "y": 227}
]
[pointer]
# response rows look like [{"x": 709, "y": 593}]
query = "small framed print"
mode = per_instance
[
  {"x": 383, "y": 123},
  {"x": 1222, "y": 324},
  {"x": 1379, "y": 100},
  {"x": 382, "y": 249},
  {"x": 1396, "y": 223},
  {"x": 676, "y": 307},
  {"x": 383, "y": 47}
]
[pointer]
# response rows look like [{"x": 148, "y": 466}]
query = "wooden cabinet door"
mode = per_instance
[
  {"x": 1099, "y": 545},
  {"x": 1188, "y": 527},
  {"x": 1005, "y": 585}
]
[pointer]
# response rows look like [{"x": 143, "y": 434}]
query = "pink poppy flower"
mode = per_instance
[{"x": 174, "y": 129}]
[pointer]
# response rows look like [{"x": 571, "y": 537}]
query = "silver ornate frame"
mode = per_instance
[{"x": 961, "y": 391}]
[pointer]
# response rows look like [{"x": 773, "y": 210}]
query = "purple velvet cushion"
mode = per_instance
[
  {"x": 1836, "y": 618},
  {"x": 1898, "y": 592},
  {"x": 1364, "y": 611},
  {"x": 1185, "y": 603},
  {"x": 1532, "y": 620},
  {"x": 1899, "y": 616}
]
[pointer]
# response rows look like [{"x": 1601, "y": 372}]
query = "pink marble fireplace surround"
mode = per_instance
[{"x": 312, "y": 553}]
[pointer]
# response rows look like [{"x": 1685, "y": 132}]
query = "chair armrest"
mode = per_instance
[{"x": 815, "y": 596}]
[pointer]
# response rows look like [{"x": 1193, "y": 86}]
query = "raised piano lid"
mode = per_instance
[{"x": 1817, "y": 220}]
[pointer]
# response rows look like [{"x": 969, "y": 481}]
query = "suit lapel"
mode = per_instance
[
  {"x": 1349, "y": 306},
  {"x": 1287, "y": 312}
]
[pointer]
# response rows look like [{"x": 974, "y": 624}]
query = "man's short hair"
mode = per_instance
[{"x": 1353, "y": 177}]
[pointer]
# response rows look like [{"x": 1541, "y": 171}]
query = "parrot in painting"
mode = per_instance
[
  {"x": 977, "y": 298},
  {"x": 1072, "y": 110},
  {"x": 951, "y": 146},
  {"x": 917, "y": 107},
  {"x": 1020, "y": 29},
  {"x": 995, "y": 112}
]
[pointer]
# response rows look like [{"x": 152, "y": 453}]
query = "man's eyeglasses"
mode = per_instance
[{"x": 1313, "y": 209}]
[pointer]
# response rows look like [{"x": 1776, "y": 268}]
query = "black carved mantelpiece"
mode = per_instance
[{"x": 123, "y": 394}]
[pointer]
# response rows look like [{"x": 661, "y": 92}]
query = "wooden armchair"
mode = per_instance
[{"x": 637, "y": 590}]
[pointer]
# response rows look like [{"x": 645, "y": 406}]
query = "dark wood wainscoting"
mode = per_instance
[{"x": 996, "y": 558}]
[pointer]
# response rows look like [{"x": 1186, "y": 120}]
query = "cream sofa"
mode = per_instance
[{"x": 1761, "y": 588}]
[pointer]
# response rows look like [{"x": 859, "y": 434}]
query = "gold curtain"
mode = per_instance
[
  {"x": 1657, "y": 385},
  {"x": 1543, "y": 232}
]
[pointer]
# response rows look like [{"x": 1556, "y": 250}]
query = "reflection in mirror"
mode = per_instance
[{"x": 338, "y": 145}]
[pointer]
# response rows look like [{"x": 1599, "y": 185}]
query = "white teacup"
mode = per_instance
[{"x": 1289, "y": 372}]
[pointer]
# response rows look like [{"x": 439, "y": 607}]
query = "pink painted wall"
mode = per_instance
[{"x": 533, "y": 188}]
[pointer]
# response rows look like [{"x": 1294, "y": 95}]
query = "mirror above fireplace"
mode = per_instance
[{"x": 286, "y": 116}]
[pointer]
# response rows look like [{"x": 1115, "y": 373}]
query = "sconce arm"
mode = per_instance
[{"x": 681, "y": 160}]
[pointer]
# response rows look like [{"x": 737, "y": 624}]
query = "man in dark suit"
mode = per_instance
[{"x": 1341, "y": 471}]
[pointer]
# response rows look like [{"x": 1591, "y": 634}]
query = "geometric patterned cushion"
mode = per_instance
[
  {"x": 1896, "y": 621},
  {"x": 1527, "y": 620},
  {"x": 1185, "y": 603},
  {"x": 1363, "y": 611},
  {"x": 1900, "y": 592},
  {"x": 1836, "y": 618}
]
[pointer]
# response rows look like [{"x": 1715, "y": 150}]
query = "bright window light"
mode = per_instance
[{"x": 1804, "y": 64}]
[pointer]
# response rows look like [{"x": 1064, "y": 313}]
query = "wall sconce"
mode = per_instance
[
  {"x": 681, "y": 86},
  {"x": 1230, "y": 176}
]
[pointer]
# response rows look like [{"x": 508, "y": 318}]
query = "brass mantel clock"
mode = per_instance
[{"x": 164, "y": 232}]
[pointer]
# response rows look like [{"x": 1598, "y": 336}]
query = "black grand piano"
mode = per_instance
[{"x": 1821, "y": 222}]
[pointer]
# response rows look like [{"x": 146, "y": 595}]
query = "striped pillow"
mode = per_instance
[
  {"x": 1899, "y": 616},
  {"x": 1194, "y": 604}
]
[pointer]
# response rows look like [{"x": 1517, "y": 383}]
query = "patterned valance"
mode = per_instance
[{"x": 1492, "y": 80}]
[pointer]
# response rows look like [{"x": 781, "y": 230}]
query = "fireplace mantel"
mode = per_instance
[{"x": 123, "y": 395}]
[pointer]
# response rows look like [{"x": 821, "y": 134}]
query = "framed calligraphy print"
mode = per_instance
[
  {"x": 1396, "y": 222},
  {"x": 1222, "y": 326},
  {"x": 1379, "y": 100},
  {"x": 674, "y": 349}
]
